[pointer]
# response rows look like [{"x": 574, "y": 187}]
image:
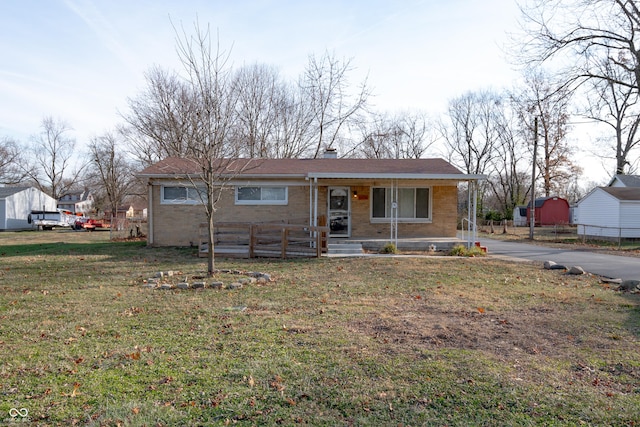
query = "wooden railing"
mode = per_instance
[{"x": 272, "y": 240}]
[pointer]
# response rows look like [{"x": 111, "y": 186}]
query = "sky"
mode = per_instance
[{"x": 79, "y": 60}]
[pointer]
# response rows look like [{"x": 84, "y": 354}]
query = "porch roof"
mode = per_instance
[{"x": 324, "y": 168}]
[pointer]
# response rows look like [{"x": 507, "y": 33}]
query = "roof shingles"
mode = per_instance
[{"x": 303, "y": 167}]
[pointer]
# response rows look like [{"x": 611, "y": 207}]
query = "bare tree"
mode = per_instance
[
  {"x": 214, "y": 114},
  {"x": 111, "y": 170},
  {"x": 580, "y": 34},
  {"x": 159, "y": 120},
  {"x": 293, "y": 132},
  {"x": 11, "y": 162},
  {"x": 617, "y": 107},
  {"x": 56, "y": 166},
  {"x": 550, "y": 103},
  {"x": 404, "y": 136},
  {"x": 325, "y": 87},
  {"x": 260, "y": 90},
  {"x": 509, "y": 177},
  {"x": 470, "y": 135}
]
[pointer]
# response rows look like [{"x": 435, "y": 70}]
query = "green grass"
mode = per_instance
[{"x": 362, "y": 341}]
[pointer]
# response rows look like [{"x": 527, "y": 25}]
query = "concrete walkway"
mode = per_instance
[{"x": 611, "y": 266}]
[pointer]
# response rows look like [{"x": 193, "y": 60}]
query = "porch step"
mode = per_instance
[{"x": 344, "y": 249}]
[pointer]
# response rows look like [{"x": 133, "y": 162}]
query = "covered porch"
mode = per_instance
[{"x": 415, "y": 213}]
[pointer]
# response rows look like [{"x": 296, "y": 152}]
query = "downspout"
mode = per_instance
[{"x": 150, "y": 215}]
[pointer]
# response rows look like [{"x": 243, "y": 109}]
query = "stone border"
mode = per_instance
[
  {"x": 623, "y": 285},
  {"x": 253, "y": 277}
]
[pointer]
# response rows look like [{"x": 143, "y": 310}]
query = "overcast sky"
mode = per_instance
[{"x": 79, "y": 60}]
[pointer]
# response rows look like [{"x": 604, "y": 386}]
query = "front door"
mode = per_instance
[{"x": 339, "y": 212}]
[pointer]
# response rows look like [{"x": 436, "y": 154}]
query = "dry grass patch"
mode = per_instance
[{"x": 365, "y": 341}]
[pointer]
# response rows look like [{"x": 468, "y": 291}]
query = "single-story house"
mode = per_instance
[
  {"x": 16, "y": 203},
  {"x": 549, "y": 211},
  {"x": 625, "y": 181},
  {"x": 612, "y": 212},
  {"x": 356, "y": 198}
]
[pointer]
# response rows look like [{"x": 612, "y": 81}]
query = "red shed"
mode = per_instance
[{"x": 550, "y": 211}]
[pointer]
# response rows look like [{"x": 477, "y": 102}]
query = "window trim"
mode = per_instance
[
  {"x": 262, "y": 201},
  {"x": 386, "y": 219},
  {"x": 187, "y": 201}
]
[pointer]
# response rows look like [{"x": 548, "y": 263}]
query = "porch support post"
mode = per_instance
[
  {"x": 311, "y": 223},
  {"x": 473, "y": 207},
  {"x": 315, "y": 202},
  {"x": 393, "y": 224}
]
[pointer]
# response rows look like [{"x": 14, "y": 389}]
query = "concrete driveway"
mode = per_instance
[{"x": 611, "y": 266}]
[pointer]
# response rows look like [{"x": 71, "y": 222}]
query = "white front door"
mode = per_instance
[{"x": 339, "y": 212}]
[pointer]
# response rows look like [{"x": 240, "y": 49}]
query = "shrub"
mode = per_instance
[
  {"x": 461, "y": 250},
  {"x": 494, "y": 216},
  {"x": 390, "y": 248}
]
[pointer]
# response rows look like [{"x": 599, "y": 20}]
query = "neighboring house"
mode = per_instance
[
  {"x": 356, "y": 198},
  {"x": 610, "y": 212},
  {"x": 137, "y": 207},
  {"x": 16, "y": 203},
  {"x": 77, "y": 202},
  {"x": 549, "y": 211},
  {"x": 625, "y": 181}
]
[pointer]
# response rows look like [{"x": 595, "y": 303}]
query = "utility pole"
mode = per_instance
[{"x": 532, "y": 210}]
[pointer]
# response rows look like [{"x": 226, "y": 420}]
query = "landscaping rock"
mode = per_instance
[
  {"x": 576, "y": 270},
  {"x": 216, "y": 285},
  {"x": 611, "y": 281},
  {"x": 165, "y": 286},
  {"x": 149, "y": 285},
  {"x": 558, "y": 267},
  {"x": 183, "y": 285},
  {"x": 548, "y": 265},
  {"x": 234, "y": 285},
  {"x": 198, "y": 285},
  {"x": 152, "y": 281},
  {"x": 630, "y": 285}
]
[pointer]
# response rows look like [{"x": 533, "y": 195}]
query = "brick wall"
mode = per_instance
[{"x": 179, "y": 225}]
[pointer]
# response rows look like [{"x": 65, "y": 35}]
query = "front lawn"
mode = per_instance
[{"x": 353, "y": 341}]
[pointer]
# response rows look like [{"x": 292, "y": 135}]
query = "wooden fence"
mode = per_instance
[{"x": 265, "y": 240}]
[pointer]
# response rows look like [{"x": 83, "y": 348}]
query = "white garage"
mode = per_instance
[
  {"x": 612, "y": 212},
  {"x": 16, "y": 203}
]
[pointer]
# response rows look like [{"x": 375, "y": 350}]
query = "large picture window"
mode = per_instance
[
  {"x": 183, "y": 195},
  {"x": 255, "y": 195},
  {"x": 412, "y": 204}
]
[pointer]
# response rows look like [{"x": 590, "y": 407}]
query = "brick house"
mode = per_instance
[{"x": 356, "y": 198}]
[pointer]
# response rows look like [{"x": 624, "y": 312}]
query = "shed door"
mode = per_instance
[{"x": 339, "y": 212}]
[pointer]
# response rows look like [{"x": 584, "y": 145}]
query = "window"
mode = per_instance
[
  {"x": 261, "y": 195},
  {"x": 412, "y": 204},
  {"x": 183, "y": 195}
]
